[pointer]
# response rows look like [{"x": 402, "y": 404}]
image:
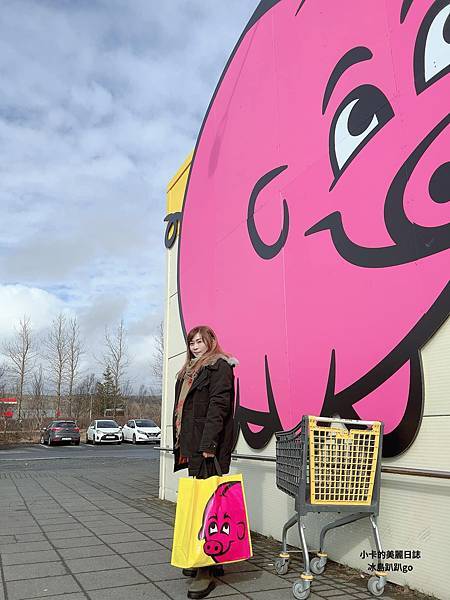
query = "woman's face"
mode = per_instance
[{"x": 197, "y": 346}]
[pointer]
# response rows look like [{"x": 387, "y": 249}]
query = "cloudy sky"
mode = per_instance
[{"x": 100, "y": 102}]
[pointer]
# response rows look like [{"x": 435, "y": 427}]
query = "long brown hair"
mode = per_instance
[{"x": 212, "y": 345}]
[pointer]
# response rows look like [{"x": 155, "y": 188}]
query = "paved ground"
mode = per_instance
[{"x": 86, "y": 522}]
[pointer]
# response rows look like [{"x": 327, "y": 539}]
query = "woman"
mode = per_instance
[{"x": 203, "y": 421}]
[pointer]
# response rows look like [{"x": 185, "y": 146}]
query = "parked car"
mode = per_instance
[
  {"x": 141, "y": 430},
  {"x": 58, "y": 432},
  {"x": 103, "y": 430}
]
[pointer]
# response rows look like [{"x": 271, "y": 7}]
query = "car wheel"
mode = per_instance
[
  {"x": 77, "y": 442},
  {"x": 134, "y": 438},
  {"x": 94, "y": 443},
  {"x": 50, "y": 442},
  {"x": 42, "y": 441}
]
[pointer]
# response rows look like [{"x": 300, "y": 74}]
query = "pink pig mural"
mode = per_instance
[
  {"x": 224, "y": 527},
  {"x": 315, "y": 228}
]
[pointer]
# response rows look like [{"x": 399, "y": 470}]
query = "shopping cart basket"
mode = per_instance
[{"x": 329, "y": 465}]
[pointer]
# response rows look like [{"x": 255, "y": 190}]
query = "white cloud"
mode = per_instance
[
  {"x": 18, "y": 301},
  {"x": 100, "y": 103}
]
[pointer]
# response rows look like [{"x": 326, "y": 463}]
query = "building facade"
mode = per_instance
[{"x": 310, "y": 229}]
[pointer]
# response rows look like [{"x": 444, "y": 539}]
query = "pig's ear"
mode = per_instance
[
  {"x": 201, "y": 533},
  {"x": 241, "y": 530}
]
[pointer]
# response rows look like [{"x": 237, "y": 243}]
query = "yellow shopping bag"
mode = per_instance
[{"x": 211, "y": 523}]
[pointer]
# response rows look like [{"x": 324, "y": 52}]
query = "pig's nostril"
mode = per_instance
[{"x": 439, "y": 186}]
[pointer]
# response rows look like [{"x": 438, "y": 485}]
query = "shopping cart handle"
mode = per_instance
[{"x": 349, "y": 421}]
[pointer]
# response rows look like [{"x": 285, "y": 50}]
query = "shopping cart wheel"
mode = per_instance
[
  {"x": 300, "y": 589},
  {"x": 281, "y": 565},
  {"x": 375, "y": 586},
  {"x": 317, "y": 565}
]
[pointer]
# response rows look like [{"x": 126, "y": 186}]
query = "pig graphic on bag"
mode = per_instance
[{"x": 224, "y": 526}]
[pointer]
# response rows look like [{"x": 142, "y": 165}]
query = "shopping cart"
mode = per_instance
[{"x": 329, "y": 465}]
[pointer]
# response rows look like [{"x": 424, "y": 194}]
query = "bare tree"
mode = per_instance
[
  {"x": 126, "y": 390},
  {"x": 158, "y": 357},
  {"x": 3, "y": 407},
  {"x": 83, "y": 398},
  {"x": 57, "y": 354},
  {"x": 74, "y": 352},
  {"x": 141, "y": 401},
  {"x": 145, "y": 404},
  {"x": 37, "y": 400},
  {"x": 3, "y": 372},
  {"x": 21, "y": 354},
  {"x": 116, "y": 358},
  {"x": 5, "y": 415}
]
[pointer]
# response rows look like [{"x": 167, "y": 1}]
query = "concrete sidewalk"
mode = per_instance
[{"x": 102, "y": 533}]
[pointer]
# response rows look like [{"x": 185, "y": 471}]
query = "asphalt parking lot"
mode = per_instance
[
  {"x": 84, "y": 522},
  {"x": 39, "y": 457}
]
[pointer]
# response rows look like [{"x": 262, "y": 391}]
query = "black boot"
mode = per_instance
[
  {"x": 202, "y": 584},
  {"x": 216, "y": 570}
]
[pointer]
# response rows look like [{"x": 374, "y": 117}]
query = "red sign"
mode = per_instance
[
  {"x": 8, "y": 414},
  {"x": 8, "y": 400}
]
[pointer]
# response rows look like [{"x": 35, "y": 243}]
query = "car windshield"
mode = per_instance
[
  {"x": 145, "y": 423},
  {"x": 64, "y": 424},
  {"x": 107, "y": 424}
]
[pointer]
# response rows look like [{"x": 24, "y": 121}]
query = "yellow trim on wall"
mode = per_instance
[{"x": 177, "y": 186}]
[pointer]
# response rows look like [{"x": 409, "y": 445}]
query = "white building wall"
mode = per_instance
[{"x": 414, "y": 511}]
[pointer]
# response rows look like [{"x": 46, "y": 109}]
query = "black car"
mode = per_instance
[{"x": 58, "y": 432}]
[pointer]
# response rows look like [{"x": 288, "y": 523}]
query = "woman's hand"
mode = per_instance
[{"x": 208, "y": 455}]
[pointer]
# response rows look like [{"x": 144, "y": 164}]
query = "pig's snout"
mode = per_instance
[{"x": 213, "y": 548}]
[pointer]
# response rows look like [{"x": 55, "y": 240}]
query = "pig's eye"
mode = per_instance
[
  {"x": 213, "y": 528},
  {"x": 359, "y": 117},
  {"x": 225, "y": 529},
  {"x": 432, "y": 51}
]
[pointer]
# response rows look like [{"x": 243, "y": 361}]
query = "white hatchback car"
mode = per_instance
[
  {"x": 141, "y": 430},
  {"x": 103, "y": 430}
]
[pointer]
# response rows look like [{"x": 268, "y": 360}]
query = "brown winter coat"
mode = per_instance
[{"x": 207, "y": 422}]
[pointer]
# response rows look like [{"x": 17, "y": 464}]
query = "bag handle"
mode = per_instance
[
  {"x": 217, "y": 466},
  {"x": 204, "y": 467}
]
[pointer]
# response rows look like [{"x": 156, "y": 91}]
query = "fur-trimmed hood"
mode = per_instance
[
  {"x": 212, "y": 362},
  {"x": 231, "y": 360}
]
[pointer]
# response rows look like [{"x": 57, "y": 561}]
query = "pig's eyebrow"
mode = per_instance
[
  {"x": 353, "y": 56},
  {"x": 226, "y": 516},
  {"x": 405, "y": 8},
  {"x": 213, "y": 517}
]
